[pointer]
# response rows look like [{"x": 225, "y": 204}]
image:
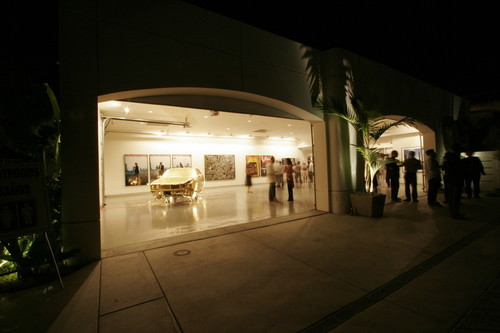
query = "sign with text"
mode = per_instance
[{"x": 23, "y": 200}]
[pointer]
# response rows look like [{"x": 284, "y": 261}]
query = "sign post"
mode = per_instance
[{"x": 24, "y": 206}]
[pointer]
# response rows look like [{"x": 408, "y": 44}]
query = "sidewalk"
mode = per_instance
[{"x": 413, "y": 270}]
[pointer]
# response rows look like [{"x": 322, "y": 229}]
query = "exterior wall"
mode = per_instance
[
  {"x": 201, "y": 58},
  {"x": 158, "y": 44},
  {"x": 172, "y": 52},
  {"x": 397, "y": 95}
]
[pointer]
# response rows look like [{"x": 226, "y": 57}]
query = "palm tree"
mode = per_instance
[{"x": 369, "y": 124}]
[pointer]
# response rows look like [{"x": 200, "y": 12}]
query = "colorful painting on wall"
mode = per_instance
[
  {"x": 264, "y": 161},
  {"x": 158, "y": 164},
  {"x": 219, "y": 167},
  {"x": 253, "y": 162},
  {"x": 181, "y": 161},
  {"x": 136, "y": 169}
]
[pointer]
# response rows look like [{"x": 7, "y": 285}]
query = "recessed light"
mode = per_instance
[{"x": 111, "y": 104}]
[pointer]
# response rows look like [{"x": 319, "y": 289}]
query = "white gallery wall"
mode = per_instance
[{"x": 116, "y": 145}]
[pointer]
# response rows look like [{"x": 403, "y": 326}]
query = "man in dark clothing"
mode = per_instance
[
  {"x": 433, "y": 176},
  {"x": 412, "y": 165},
  {"x": 473, "y": 169},
  {"x": 392, "y": 175},
  {"x": 453, "y": 180}
]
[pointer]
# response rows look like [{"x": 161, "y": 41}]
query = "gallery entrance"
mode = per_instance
[{"x": 145, "y": 133}]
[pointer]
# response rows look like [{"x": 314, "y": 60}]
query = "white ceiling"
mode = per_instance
[
  {"x": 207, "y": 123},
  {"x": 202, "y": 123}
]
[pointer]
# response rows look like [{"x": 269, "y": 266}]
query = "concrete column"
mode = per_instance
[
  {"x": 321, "y": 171},
  {"x": 79, "y": 151},
  {"x": 343, "y": 166}
]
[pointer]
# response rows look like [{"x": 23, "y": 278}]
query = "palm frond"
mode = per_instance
[
  {"x": 313, "y": 68},
  {"x": 338, "y": 107},
  {"x": 380, "y": 126}
]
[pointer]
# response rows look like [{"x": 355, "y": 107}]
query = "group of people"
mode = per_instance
[
  {"x": 291, "y": 173},
  {"x": 458, "y": 174},
  {"x": 411, "y": 165}
]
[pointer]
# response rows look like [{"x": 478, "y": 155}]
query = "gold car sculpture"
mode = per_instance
[{"x": 178, "y": 183}]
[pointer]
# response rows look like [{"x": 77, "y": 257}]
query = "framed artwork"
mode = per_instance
[
  {"x": 253, "y": 162},
  {"x": 406, "y": 151},
  {"x": 219, "y": 167},
  {"x": 264, "y": 161},
  {"x": 136, "y": 169},
  {"x": 158, "y": 164},
  {"x": 181, "y": 161}
]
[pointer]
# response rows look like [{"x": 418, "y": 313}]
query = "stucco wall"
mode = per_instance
[
  {"x": 159, "y": 44},
  {"x": 393, "y": 92}
]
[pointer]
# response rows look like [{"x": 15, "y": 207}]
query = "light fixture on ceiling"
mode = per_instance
[
  {"x": 110, "y": 104},
  {"x": 184, "y": 124}
]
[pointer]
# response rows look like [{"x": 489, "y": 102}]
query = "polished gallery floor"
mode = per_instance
[{"x": 133, "y": 219}]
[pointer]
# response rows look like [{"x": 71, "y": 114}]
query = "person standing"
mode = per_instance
[
  {"x": 412, "y": 165},
  {"x": 296, "y": 170},
  {"x": 473, "y": 169},
  {"x": 453, "y": 180},
  {"x": 271, "y": 176},
  {"x": 248, "y": 178},
  {"x": 304, "y": 173},
  {"x": 311, "y": 171},
  {"x": 289, "y": 178},
  {"x": 392, "y": 175},
  {"x": 433, "y": 176},
  {"x": 279, "y": 167}
]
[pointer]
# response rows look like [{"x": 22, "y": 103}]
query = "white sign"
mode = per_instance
[{"x": 23, "y": 200}]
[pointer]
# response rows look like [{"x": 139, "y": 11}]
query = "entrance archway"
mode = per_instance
[
  {"x": 145, "y": 126},
  {"x": 417, "y": 137}
]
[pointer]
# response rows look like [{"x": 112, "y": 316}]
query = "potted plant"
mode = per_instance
[{"x": 370, "y": 126}]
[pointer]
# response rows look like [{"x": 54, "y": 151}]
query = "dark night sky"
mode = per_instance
[{"x": 447, "y": 44}]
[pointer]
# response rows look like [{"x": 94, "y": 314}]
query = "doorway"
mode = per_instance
[{"x": 129, "y": 212}]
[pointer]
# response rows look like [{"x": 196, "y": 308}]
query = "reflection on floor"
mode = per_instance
[{"x": 128, "y": 220}]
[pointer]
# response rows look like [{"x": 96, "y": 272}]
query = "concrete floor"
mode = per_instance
[
  {"x": 413, "y": 270},
  {"x": 130, "y": 223}
]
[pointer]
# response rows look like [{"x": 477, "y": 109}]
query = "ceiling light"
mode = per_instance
[{"x": 111, "y": 104}]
